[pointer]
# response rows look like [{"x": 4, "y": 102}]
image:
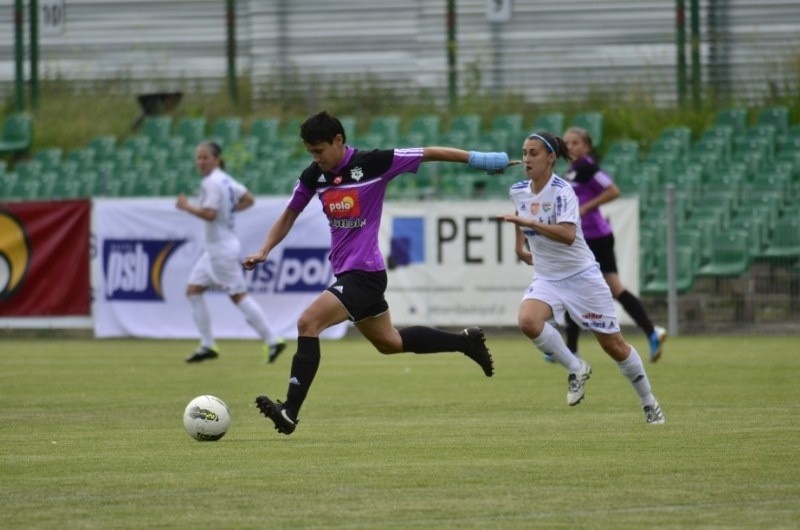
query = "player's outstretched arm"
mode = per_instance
[
  {"x": 276, "y": 234},
  {"x": 490, "y": 162}
]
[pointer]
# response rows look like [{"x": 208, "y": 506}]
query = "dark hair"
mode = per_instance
[
  {"x": 554, "y": 144},
  {"x": 321, "y": 127},
  {"x": 216, "y": 151}
]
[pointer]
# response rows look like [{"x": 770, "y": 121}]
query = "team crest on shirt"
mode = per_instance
[
  {"x": 357, "y": 173},
  {"x": 534, "y": 208},
  {"x": 547, "y": 206}
]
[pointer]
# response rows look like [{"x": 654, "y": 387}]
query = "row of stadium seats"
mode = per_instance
[{"x": 268, "y": 157}]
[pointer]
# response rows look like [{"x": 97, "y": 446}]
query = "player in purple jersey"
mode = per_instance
[
  {"x": 567, "y": 279},
  {"x": 593, "y": 188},
  {"x": 351, "y": 185}
]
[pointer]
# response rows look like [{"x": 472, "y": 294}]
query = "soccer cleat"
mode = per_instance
[
  {"x": 477, "y": 351},
  {"x": 203, "y": 354},
  {"x": 656, "y": 339},
  {"x": 575, "y": 383},
  {"x": 278, "y": 413},
  {"x": 274, "y": 350},
  {"x": 653, "y": 414}
]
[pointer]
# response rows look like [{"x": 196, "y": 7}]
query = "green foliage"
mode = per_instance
[{"x": 92, "y": 438}]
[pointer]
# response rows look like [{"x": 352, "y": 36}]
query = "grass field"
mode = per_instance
[{"x": 91, "y": 436}]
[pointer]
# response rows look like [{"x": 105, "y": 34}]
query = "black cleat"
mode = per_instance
[
  {"x": 274, "y": 350},
  {"x": 203, "y": 354},
  {"x": 278, "y": 413},
  {"x": 476, "y": 349}
]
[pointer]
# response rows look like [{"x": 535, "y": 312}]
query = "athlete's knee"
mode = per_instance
[
  {"x": 308, "y": 326},
  {"x": 530, "y": 326}
]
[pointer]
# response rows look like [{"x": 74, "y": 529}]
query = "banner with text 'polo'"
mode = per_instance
[
  {"x": 145, "y": 249},
  {"x": 44, "y": 258},
  {"x": 453, "y": 263}
]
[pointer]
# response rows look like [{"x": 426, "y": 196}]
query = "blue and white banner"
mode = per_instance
[
  {"x": 453, "y": 263},
  {"x": 144, "y": 249}
]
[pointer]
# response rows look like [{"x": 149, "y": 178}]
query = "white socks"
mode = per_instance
[
  {"x": 255, "y": 317},
  {"x": 633, "y": 369},
  {"x": 202, "y": 319},
  {"x": 550, "y": 341}
]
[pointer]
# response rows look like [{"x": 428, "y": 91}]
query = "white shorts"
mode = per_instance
[
  {"x": 221, "y": 272},
  {"x": 585, "y": 296}
]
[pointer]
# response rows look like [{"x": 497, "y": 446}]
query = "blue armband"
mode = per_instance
[{"x": 490, "y": 162}]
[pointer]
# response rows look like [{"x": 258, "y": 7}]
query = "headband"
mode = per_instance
[{"x": 542, "y": 138}]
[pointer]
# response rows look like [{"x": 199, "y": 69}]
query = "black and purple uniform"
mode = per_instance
[{"x": 352, "y": 196}]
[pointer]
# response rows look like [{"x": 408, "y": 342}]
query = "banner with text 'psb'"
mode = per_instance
[
  {"x": 453, "y": 263},
  {"x": 44, "y": 258},
  {"x": 145, "y": 249}
]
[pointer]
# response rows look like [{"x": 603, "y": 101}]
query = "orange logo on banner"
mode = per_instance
[{"x": 15, "y": 255}]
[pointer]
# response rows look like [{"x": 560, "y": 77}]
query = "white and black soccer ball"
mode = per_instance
[{"x": 206, "y": 418}]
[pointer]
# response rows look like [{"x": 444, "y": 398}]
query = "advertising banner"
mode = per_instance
[
  {"x": 145, "y": 249},
  {"x": 44, "y": 258},
  {"x": 453, "y": 263}
]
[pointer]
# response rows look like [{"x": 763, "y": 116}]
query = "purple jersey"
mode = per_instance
[
  {"x": 352, "y": 199},
  {"x": 589, "y": 181}
]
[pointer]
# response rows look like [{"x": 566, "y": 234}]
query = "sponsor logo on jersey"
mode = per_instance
[
  {"x": 133, "y": 268},
  {"x": 340, "y": 204}
]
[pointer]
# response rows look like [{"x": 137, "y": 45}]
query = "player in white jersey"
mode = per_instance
[
  {"x": 567, "y": 279},
  {"x": 220, "y": 197}
]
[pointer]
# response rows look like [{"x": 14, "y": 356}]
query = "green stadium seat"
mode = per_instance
[
  {"x": 552, "y": 122},
  {"x": 16, "y": 136},
  {"x": 693, "y": 238},
  {"x": 383, "y": 133},
  {"x": 50, "y": 157},
  {"x": 756, "y": 230},
  {"x": 424, "y": 130},
  {"x": 680, "y": 134},
  {"x": 785, "y": 239},
  {"x": 290, "y": 134},
  {"x": 350, "y": 126},
  {"x": 729, "y": 255},
  {"x": 623, "y": 148},
  {"x": 593, "y": 122},
  {"x": 734, "y": 117},
  {"x": 29, "y": 169},
  {"x": 658, "y": 282},
  {"x": 103, "y": 146},
  {"x": 464, "y": 131},
  {"x": 267, "y": 130},
  {"x": 777, "y": 116},
  {"x": 138, "y": 144},
  {"x": 507, "y": 132},
  {"x": 191, "y": 129},
  {"x": 226, "y": 131},
  {"x": 157, "y": 128}
]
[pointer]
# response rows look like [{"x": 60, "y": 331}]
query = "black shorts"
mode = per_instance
[
  {"x": 603, "y": 250},
  {"x": 361, "y": 293}
]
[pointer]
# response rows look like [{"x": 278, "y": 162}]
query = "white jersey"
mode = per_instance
[
  {"x": 556, "y": 203},
  {"x": 219, "y": 191}
]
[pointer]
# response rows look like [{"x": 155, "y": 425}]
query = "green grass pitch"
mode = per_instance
[{"x": 91, "y": 436}]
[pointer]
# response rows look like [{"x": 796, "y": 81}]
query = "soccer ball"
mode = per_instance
[{"x": 206, "y": 418}]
